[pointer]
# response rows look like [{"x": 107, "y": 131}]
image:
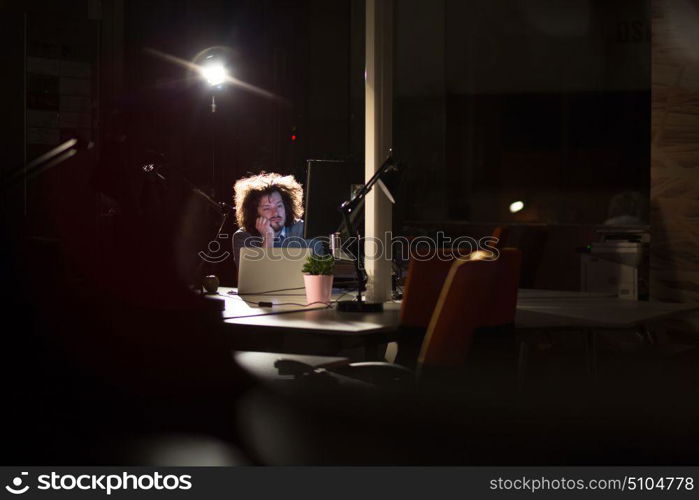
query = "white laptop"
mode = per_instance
[{"x": 268, "y": 270}]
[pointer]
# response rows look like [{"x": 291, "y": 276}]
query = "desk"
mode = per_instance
[
  {"x": 589, "y": 313},
  {"x": 326, "y": 331},
  {"x": 552, "y": 308},
  {"x": 313, "y": 330}
]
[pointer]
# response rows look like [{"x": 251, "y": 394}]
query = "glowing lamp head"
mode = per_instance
[
  {"x": 214, "y": 73},
  {"x": 516, "y": 206}
]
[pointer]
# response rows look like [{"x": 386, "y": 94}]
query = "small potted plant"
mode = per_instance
[{"x": 318, "y": 278}]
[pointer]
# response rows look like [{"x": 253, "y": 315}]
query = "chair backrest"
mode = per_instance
[
  {"x": 467, "y": 289},
  {"x": 426, "y": 278},
  {"x": 423, "y": 283},
  {"x": 476, "y": 293}
]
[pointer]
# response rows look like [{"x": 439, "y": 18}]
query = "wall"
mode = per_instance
[
  {"x": 521, "y": 100},
  {"x": 674, "y": 259}
]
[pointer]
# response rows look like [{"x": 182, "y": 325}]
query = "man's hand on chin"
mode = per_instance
[{"x": 264, "y": 227}]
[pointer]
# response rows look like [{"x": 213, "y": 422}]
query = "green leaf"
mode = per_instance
[{"x": 319, "y": 265}]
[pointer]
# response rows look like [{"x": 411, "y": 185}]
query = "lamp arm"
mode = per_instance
[
  {"x": 347, "y": 208},
  {"x": 366, "y": 188},
  {"x": 361, "y": 279}
]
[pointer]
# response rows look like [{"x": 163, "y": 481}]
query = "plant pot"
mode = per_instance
[{"x": 319, "y": 287}]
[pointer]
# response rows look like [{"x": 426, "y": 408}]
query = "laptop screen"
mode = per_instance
[{"x": 266, "y": 270}]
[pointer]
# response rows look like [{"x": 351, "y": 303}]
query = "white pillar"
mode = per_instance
[{"x": 378, "y": 141}]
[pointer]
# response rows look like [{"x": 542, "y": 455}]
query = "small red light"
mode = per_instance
[{"x": 293, "y": 137}]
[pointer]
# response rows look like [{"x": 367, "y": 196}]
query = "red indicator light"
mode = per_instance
[{"x": 293, "y": 137}]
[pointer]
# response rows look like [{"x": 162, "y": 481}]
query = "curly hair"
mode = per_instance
[{"x": 249, "y": 191}]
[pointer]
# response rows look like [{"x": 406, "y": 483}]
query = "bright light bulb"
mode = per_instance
[
  {"x": 516, "y": 206},
  {"x": 214, "y": 73}
]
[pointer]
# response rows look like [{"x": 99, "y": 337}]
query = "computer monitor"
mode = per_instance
[{"x": 328, "y": 184}]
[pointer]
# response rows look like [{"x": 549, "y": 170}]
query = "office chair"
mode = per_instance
[
  {"x": 425, "y": 279},
  {"x": 449, "y": 333},
  {"x": 475, "y": 294},
  {"x": 468, "y": 287},
  {"x": 423, "y": 283}
]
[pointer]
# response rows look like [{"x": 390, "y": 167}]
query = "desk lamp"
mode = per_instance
[{"x": 347, "y": 208}]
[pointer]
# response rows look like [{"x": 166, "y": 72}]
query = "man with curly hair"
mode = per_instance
[{"x": 268, "y": 208}]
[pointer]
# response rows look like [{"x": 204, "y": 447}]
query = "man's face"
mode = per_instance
[{"x": 272, "y": 207}]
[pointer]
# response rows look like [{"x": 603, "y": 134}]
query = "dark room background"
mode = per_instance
[{"x": 539, "y": 101}]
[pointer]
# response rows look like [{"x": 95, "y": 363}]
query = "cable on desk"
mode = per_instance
[
  {"x": 267, "y": 292},
  {"x": 271, "y": 304},
  {"x": 329, "y": 303}
]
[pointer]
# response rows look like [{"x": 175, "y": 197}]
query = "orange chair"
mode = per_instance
[
  {"x": 458, "y": 313},
  {"x": 477, "y": 300},
  {"x": 423, "y": 283},
  {"x": 425, "y": 279},
  {"x": 476, "y": 293}
]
